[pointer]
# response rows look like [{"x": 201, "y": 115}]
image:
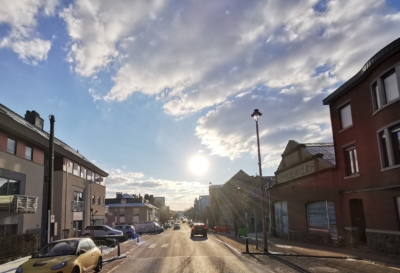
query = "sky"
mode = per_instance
[{"x": 143, "y": 88}]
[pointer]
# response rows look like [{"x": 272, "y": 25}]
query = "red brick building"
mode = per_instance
[
  {"x": 305, "y": 203},
  {"x": 365, "y": 116}
]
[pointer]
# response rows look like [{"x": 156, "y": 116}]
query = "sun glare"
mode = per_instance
[{"x": 198, "y": 164}]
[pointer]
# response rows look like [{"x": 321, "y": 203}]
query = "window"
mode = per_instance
[
  {"x": 386, "y": 89},
  {"x": 9, "y": 186},
  {"x": 70, "y": 166},
  {"x": 78, "y": 196},
  {"x": 321, "y": 217},
  {"x": 121, "y": 212},
  {"x": 11, "y": 146},
  {"x": 345, "y": 116},
  {"x": 389, "y": 141},
  {"x": 78, "y": 170},
  {"x": 28, "y": 153},
  {"x": 84, "y": 245},
  {"x": 84, "y": 173},
  {"x": 93, "y": 199},
  {"x": 8, "y": 230},
  {"x": 98, "y": 200},
  {"x": 351, "y": 160}
]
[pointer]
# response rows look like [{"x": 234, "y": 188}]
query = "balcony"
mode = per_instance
[
  {"x": 78, "y": 206},
  {"x": 18, "y": 203}
]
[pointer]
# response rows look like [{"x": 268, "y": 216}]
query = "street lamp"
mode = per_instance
[{"x": 256, "y": 114}]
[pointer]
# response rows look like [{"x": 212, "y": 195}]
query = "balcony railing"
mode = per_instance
[
  {"x": 18, "y": 203},
  {"x": 78, "y": 206}
]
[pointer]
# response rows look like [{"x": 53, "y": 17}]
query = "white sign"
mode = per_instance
[{"x": 51, "y": 218}]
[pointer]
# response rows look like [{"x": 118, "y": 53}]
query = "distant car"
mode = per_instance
[
  {"x": 148, "y": 227},
  {"x": 128, "y": 230},
  {"x": 69, "y": 255},
  {"x": 198, "y": 229},
  {"x": 177, "y": 226},
  {"x": 101, "y": 230}
]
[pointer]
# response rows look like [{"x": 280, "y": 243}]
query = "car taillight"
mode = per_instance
[
  {"x": 205, "y": 228},
  {"x": 193, "y": 228}
]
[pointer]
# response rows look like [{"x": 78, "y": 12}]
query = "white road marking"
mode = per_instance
[
  {"x": 165, "y": 245},
  {"x": 152, "y": 246}
]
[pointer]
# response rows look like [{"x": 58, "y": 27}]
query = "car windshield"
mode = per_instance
[{"x": 58, "y": 249}]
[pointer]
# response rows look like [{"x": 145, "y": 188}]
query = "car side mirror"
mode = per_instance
[{"x": 81, "y": 251}]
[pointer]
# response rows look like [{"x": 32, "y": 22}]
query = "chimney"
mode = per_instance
[
  {"x": 119, "y": 195},
  {"x": 34, "y": 118}
]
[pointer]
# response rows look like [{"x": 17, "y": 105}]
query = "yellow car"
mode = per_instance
[{"x": 73, "y": 255}]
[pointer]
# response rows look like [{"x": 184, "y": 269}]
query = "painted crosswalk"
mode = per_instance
[
  {"x": 164, "y": 245},
  {"x": 152, "y": 246}
]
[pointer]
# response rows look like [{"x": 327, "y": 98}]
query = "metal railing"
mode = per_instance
[
  {"x": 18, "y": 203},
  {"x": 77, "y": 206}
]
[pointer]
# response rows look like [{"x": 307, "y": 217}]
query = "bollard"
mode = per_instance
[
  {"x": 119, "y": 250},
  {"x": 137, "y": 239},
  {"x": 247, "y": 245}
]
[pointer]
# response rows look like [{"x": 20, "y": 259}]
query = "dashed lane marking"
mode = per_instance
[
  {"x": 152, "y": 246},
  {"x": 164, "y": 245}
]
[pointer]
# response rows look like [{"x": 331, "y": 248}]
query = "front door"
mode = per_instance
[
  {"x": 281, "y": 219},
  {"x": 358, "y": 217}
]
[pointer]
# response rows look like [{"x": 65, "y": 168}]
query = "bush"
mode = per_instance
[{"x": 16, "y": 246}]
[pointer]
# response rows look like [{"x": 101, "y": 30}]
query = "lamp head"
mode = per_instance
[{"x": 256, "y": 114}]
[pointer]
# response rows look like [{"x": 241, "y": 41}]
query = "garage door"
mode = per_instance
[
  {"x": 321, "y": 217},
  {"x": 281, "y": 219}
]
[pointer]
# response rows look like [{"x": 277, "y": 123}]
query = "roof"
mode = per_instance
[
  {"x": 326, "y": 149},
  {"x": 46, "y": 136},
  {"x": 379, "y": 57},
  {"x": 127, "y": 196},
  {"x": 131, "y": 205}
]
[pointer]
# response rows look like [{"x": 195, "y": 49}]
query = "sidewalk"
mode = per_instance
[{"x": 285, "y": 247}]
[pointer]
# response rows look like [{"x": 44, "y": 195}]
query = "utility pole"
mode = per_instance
[{"x": 51, "y": 175}]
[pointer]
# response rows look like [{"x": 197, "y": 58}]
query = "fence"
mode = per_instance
[{"x": 16, "y": 246}]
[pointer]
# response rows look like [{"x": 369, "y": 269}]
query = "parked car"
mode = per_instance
[
  {"x": 148, "y": 227},
  {"x": 177, "y": 226},
  {"x": 198, "y": 229},
  {"x": 128, "y": 230},
  {"x": 101, "y": 230},
  {"x": 69, "y": 255}
]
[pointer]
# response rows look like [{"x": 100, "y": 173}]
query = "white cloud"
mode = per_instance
[
  {"x": 221, "y": 56},
  {"x": 21, "y": 17}
]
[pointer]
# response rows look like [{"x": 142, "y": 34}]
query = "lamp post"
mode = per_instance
[{"x": 256, "y": 114}]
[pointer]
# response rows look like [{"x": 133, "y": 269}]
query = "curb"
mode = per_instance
[{"x": 322, "y": 257}]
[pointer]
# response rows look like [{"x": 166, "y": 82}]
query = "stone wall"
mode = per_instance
[
  {"x": 321, "y": 238},
  {"x": 384, "y": 241}
]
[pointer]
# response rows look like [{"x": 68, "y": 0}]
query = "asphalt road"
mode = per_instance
[{"x": 175, "y": 251}]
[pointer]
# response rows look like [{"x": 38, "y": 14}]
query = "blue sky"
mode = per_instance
[{"x": 141, "y": 87}]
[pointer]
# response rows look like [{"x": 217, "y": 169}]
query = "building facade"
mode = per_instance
[
  {"x": 127, "y": 209},
  {"x": 78, "y": 185},
  {"x": 304, "y": 199},
  {"x": 365, "y": 116}
]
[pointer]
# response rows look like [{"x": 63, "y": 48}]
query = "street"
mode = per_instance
[{"x": 175, "y": 251}]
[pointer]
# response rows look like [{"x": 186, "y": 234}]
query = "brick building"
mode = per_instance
[
  {"x": 304, "y": 198},
  {"x": 365, "y": 116}
]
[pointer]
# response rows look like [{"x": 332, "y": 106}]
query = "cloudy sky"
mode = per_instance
[{"x": 143, "y": 87}]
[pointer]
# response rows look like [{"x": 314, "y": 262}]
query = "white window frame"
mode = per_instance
[
  {"x": 343, "y": 112},
  {"x": 351, "y": 159},
  {"x": 389, "y": 158},
  {"x": 378, "y": 90}
]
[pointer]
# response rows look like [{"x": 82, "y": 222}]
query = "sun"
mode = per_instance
[{"x": 198, "y": 164}]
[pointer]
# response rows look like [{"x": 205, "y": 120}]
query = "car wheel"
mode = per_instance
[
  {"x": 99, "y": 265},
  {"x": 129, "y": 235},
  {"x": 76, "y": 270}
]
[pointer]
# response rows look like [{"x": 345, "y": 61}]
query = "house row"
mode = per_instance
[
  {"x": 346, "y": 192},
  {"x": 78, "y": 195}
]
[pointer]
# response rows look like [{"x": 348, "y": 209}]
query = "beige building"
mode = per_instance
[
  {"x": 79, "y": 185},
  {"x": 130, "y": 210}
]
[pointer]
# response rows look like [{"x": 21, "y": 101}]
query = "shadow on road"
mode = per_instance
[{"x": 198, "y": 238}]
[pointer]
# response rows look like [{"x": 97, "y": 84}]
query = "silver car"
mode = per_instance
[
  {"x": 128, "y": 230},
  {"x": 101, "y": 230}
]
